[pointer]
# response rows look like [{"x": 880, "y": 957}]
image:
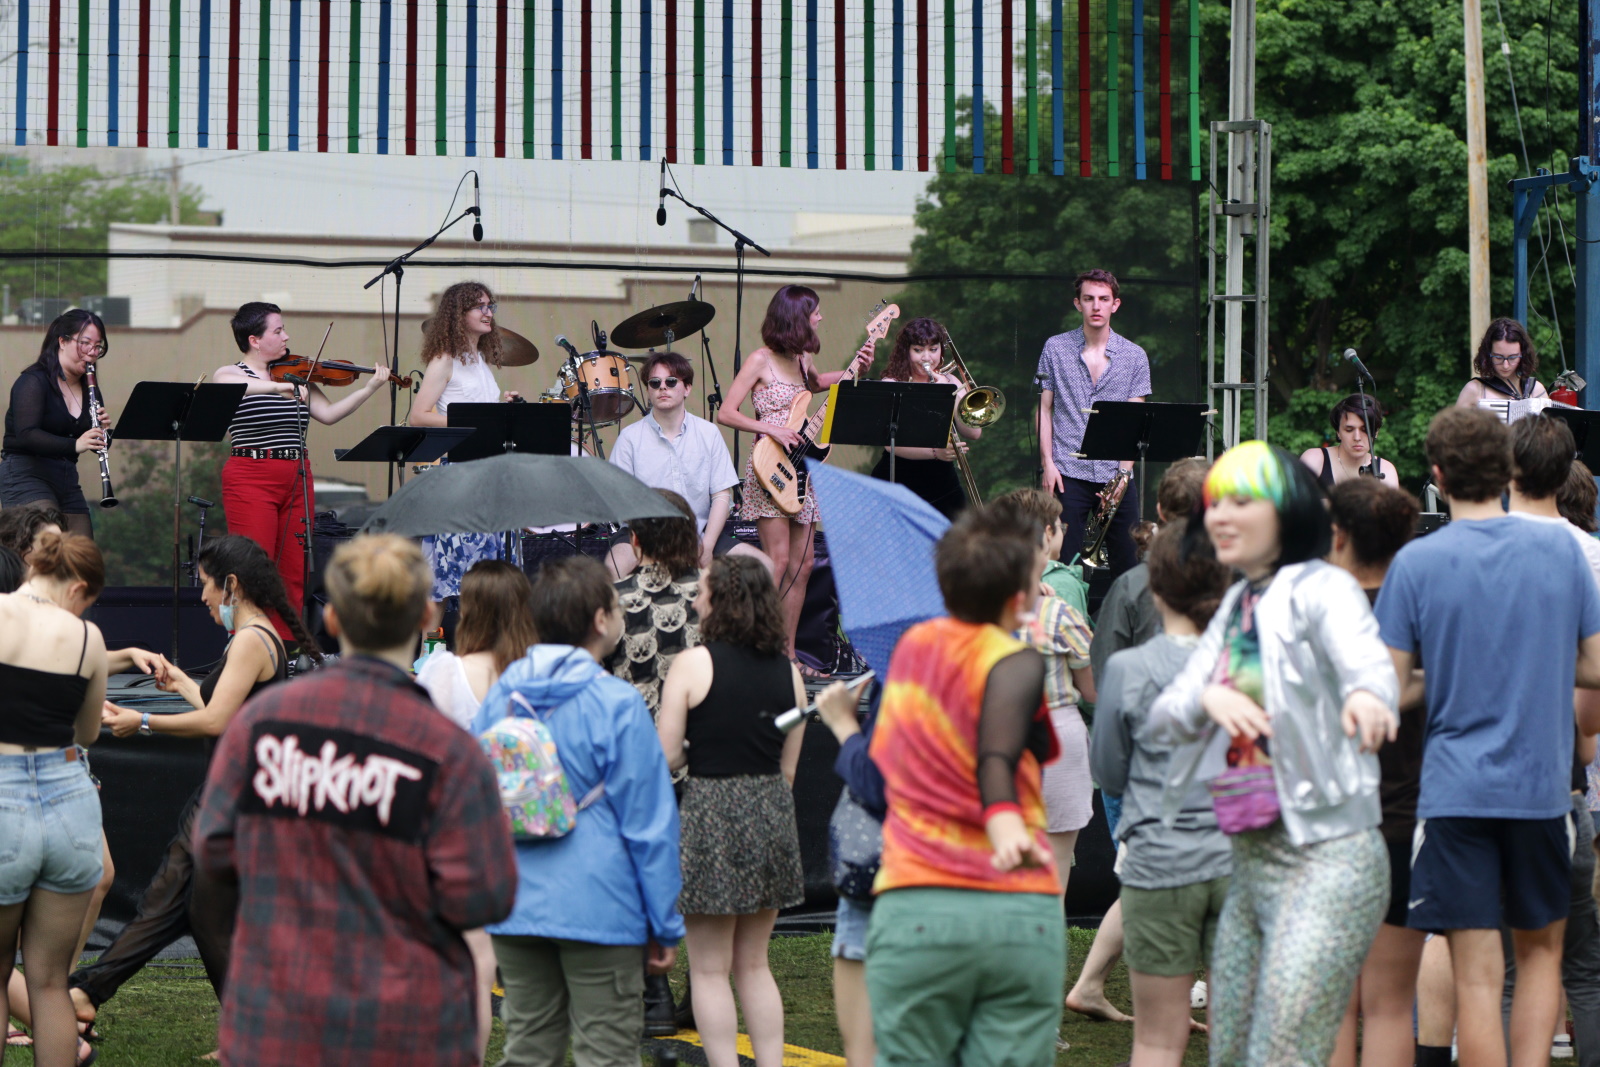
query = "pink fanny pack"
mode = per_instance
[{"x": 1244, "y": 798}]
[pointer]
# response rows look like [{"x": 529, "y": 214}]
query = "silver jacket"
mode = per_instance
[{"x": 1319, "y": 644}]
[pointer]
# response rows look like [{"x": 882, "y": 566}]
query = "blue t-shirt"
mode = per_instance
[{"x": 1501, "y": 659}]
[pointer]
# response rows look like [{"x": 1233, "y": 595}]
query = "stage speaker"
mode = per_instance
[{"x": 141, "y": 617}]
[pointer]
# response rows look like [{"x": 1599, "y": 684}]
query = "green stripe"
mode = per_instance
[
  {"x": 528, "y": 69},
  {"x": 785, "y": 82},
  {"x": 950, "y": 87},
  {"x": 700, "y": 80},
  {"x": 355, "y": 76},
  {"x": 1113, "y": 64},
  {"x": 869, "y": 83},
  {"x": 174, "y": 42},
  {"x": 616, "y": 79},
  {"x": 83, "y": 73},
  {"x": 1030, "y": 114},
  {"x": 1194, "y": 90},
  {"x": 441, "y": 67},
  {"x": 264, "y": 78}
]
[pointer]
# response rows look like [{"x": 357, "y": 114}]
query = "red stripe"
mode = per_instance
[
  {"x": 672, "y": 78},
  {"x": 324, "y": 49},
  {"x": 586, "y": 77},
  {"x": 233, "y": 70},
  {"x": 411, "y": 77},
  {"x": 755, "y": 81},
  {"x": 1166, "y": 89},
  {"x": 144, "y": 72},
  {"x": 1085, "y": 100},
  {"x": 838, "y": 84},
  {"x": 922, "y": 84},
  {"x": 1006, "y": 104},
  {"x": 501, "y": 17},
  {"x": 50, "y": 121}
]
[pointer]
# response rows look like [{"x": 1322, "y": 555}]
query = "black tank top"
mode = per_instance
[
  {"x": 1326, "y": 477},
  {"x": 39, "y": 708},
  {"x": 732, "y": 731},
  {"x": 280, "y": 664}
]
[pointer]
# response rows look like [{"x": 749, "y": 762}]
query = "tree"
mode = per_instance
[{"x": 136, "y": 536}]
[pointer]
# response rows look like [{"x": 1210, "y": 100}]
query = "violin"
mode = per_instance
[{"x": 330, "y": 372}]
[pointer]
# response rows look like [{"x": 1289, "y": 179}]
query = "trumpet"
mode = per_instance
[
  {"x": 108, "y": 497},
  {"x": 980, "y": 405}
]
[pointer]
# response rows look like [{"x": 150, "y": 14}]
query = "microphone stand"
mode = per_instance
[
  {"x": 397, "y": 267},
  {"x": 1372, "y": 446},
  {"x": 740, "y": 243},
  {"x": 303, "y": 421}
]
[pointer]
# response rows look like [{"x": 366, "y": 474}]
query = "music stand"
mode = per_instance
[
  {"x": 404, "y": 444},
  {"x": 178, "y": 412},
  {"x": 1585, "y": 427},
  {"x": 543, "y": 429},
  {"x": 890, "y": 415},
  {"x": 1130, "y": 429}
]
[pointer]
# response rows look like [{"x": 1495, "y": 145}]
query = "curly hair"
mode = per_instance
[
  {"x": 20, "y": 525},
  {"x": 918, "y": 333},
  {"x": 745, "y": 608},
  {"x": 1191, "y": 585},
  {"x": 1577, "y": 496},
  {"x": 446, "y": 333},
  {"x": 67, "y": 324},
  {"x": 1379, "y": 519},
  {"x": 673, "y": 543},
  {"x": 1506, "y": 330},
  {"x": 787, "y": 328},
  {"x": 258, "y": 581}
]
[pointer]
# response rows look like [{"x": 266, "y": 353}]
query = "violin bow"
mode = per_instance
[{"x": 318, "y": 358}]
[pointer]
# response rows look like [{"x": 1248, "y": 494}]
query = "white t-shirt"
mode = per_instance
[
  {"x": 1588, "y": 542},
  {"x": 445, "y": 679}
]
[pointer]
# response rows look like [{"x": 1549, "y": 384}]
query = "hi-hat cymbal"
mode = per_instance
[
  {"x": 648, "y": 329},
  {"x": 515, "y": 349}
]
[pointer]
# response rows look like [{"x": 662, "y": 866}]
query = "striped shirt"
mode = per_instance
[
  {"x": 265, "y": 420},
  {"x": 1061, "y": 634},
  {"x": 1064, "y": 374}
]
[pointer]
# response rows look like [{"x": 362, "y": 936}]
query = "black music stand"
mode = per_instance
[
  {"x": 890, "y": 415},
  {"x": 404, "y": 444},
  {"x": 1585, "y": 427},
  {"x": 179, "y": 412},
  {"x": 1130, "y": 429},
  {"x": 542, "y": 429}
]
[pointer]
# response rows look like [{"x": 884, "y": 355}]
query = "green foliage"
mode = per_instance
[
  {"x": 136, "y": 535},
  {"x": 72, "y": 208}
]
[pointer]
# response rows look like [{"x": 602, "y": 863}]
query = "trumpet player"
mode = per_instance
[
  {"x": 1076, "y": 369},
  {"x": 929, "y": 472},
  {"x": 49, "y": 423}
]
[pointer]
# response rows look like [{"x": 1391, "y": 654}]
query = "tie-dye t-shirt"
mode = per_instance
[
  {"x": 925, "y": 743},
  {"x": 1239, "y": 667}
]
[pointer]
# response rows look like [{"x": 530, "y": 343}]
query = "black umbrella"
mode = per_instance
[{"x": 515, "y": 490}]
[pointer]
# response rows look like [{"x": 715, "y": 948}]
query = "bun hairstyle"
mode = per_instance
[
  {"x": 673, "y": 543},
  {"x": 380, "y": 587},
  {"x": 1378, "y": 519},
  {"x": 68, "y": 557},
  {"x": 446, "y": 332},
  {"x": 496, "y": 613},
  {"x": 257, "y": 581}
]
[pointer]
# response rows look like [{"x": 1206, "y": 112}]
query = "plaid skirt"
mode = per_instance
[{"x": 740, "y": 846}]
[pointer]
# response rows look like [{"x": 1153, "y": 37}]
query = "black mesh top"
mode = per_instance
[{"x": 38, "y": 422}]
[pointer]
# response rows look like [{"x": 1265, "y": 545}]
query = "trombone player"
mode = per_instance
[
  {"x": 1080, "y": 367},
  {"x": 937, "y": 475}
]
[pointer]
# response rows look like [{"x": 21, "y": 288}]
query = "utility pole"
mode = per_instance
[
  {"x": 1241, "y": 189},
  {"x": 1587, "y": 320},
  {"x": 172, "y": 192},
  {"x": 1477, "y": 175}
]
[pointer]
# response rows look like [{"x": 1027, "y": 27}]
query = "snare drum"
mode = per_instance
[{"x": 606, "y": 376}]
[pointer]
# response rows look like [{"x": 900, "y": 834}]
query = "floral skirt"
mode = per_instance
[
  {"x": 740, "y": 846},
  {"x": 452, "y": 555}
]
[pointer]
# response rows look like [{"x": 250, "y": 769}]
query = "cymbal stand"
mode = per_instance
[{"x": 586, "y": 411}]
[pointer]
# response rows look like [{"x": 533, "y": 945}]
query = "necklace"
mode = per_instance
[{"x": 36, "y": 598}]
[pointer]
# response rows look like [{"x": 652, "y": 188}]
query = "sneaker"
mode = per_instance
[
  {"x": 1061, "y": 1043},
  {"x": 1199, "y": 997},
  {"x": 1561, "y": 1047}
]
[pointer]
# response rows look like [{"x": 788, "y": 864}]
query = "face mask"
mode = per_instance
[{"x": 225, "y": 613}]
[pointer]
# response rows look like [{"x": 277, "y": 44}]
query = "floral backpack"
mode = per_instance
[{"x": 533, "y": 783}]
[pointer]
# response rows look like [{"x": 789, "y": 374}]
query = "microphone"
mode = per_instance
[
  {"x": 561, "y": 339},
  {"x": 1361, "y": 368},
  {"x": 201, "y": 502},
  {"x": 661, "y": 203},
  {"x": 694, "y": 290},
  {"x": 477, "y": 210}
]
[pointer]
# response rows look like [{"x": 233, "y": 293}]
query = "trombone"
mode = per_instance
[{"x": 980, "y": 406}]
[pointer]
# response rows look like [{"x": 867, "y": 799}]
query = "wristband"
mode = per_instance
[
  {"x": 144, "y": 725},
  {"x": 1005, "y": 805}
]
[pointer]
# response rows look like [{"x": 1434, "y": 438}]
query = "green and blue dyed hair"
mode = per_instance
[{"x": 1256, "y": 470}]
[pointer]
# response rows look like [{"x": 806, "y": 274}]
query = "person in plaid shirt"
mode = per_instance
[{"x": 365, "y": 832}]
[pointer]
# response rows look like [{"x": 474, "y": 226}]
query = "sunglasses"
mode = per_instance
[{"x": 658, "y": 383}]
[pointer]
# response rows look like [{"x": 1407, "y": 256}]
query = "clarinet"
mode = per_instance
[{"x": 108, "y": 497}]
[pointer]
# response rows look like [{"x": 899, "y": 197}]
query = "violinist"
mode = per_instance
[{"x": 261, "y": 491}]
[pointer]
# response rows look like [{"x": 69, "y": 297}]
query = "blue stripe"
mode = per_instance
[
  {"x": 898, "y": 96},
  {"x": 977, "y": 85},
  {"x": 472, "y": 77},
  {"x": 1138, "y": 89},
  {"x": 557, "y": 19},
  {"x": 22, "y": 72},
  {"x": 644, "y": 80},
  {"x": 811, "y": 84},
  {"x": 383, "y": 76},
  {"x": 1058, "y": 93},
  {"x": 205, "y": 71},
  {"x": 294, "y": 75},
  {"x": 727, "y": 83},
  {"x": 114, "y": 48}
]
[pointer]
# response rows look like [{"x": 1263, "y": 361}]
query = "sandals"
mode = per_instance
[{"x": 17, "y": 1038}]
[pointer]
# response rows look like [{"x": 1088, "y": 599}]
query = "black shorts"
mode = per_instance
[
  {"x": 1480, "y": 874},
  {"x": 1399, "y": 881},
  {"x": 24, "y": 479}
]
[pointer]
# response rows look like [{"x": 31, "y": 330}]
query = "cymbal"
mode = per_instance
[
  {"x": 648, "y": 329},
  {"x": 515, "y": 349}
]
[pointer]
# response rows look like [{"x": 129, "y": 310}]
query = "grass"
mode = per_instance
[{"x": 166, "y": 1016}]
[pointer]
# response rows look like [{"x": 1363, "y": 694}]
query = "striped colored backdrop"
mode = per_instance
[{"x": 1083, "y": 87}]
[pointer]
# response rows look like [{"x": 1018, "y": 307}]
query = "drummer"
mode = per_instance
[
  {"x": 672, "y": 448},
  {"x": 460, "y": 350}
]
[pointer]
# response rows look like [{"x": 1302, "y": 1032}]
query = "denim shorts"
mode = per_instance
[
  {"x": 850, "y": 929},
  {"x": 49, "y": 825}
]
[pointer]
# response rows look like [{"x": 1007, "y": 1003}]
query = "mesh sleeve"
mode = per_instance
[
  {"x": 28, "y": 399},
  {"x": 1009, "y": 724}
]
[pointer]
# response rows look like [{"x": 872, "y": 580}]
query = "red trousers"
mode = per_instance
[{"x": 261, "y": 500}]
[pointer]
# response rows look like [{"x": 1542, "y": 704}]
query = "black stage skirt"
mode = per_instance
[{"x": 934, "y": 480}]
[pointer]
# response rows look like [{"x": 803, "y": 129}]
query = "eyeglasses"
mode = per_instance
[
  {"x": 1507, "y": 359},
  {"x": 658, "y": 383},
  {"x": 488, "y": 309},
  {"x": 97, "y": 347}
]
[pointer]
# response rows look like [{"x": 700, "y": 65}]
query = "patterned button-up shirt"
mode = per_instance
[
  {"x": 1061, "y": 365},
  {"x": 365, "y": 832},
  {"x": 1062, "y": 636}
]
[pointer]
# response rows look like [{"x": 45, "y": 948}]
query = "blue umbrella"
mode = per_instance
[{"x": 880, "y": 545}]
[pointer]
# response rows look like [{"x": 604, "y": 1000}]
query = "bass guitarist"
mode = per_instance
[{"x": 771, "y": 377}]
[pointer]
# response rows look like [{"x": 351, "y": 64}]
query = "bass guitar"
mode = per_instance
[{"x": 782, "y": 471}]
